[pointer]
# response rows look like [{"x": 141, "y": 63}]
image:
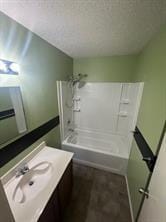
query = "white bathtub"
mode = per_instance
[{"x": 103, "y": 151}]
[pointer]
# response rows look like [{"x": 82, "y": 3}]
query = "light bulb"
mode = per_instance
[{"x": 14, "y": 67}]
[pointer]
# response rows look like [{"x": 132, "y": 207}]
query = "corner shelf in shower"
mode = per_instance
[
  {"x": 76, "y": 110},
  {"x": 125, "y": 101}
]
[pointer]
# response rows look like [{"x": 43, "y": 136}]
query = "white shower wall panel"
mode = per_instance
[
  {"x": 128, "y": 105},
  {"x": 99, "y": 106}
]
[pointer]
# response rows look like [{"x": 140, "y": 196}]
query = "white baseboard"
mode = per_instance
[{"x": 130, "y": 203}]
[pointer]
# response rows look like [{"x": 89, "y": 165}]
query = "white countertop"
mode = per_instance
[{"x": 31, "y": 210}]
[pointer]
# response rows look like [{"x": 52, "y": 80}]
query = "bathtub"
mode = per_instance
[{"x": 100, "y": 150}]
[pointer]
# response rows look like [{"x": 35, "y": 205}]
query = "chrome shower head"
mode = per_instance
[
  {"x": 81, "y": 84},
  {"x": 77, "y": 79}
]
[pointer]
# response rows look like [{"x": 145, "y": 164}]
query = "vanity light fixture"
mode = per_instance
[{"x": 8, "y": 67}]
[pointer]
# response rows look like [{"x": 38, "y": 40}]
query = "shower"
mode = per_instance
[
  {"x": 72, "y": 82},
  {"x": 97, "y": 120}
]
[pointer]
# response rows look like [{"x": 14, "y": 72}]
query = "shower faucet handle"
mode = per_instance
[
  {"x": 71, "y": 130},
  {"x": 76, "y": 99},
  {"x": 68, "y": 121}
]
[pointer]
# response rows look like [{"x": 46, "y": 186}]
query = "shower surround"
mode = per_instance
[{"x": 97, "y": 120}]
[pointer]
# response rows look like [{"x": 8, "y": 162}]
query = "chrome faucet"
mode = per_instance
[{"x": 23, "y": 169}]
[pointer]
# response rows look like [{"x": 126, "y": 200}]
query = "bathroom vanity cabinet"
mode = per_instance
[{"x": 60, "y": 198}]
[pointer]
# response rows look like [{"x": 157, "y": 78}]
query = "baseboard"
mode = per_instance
[
  {"x": 97, "y": 166},
  {"x": 130, "y": 203}
]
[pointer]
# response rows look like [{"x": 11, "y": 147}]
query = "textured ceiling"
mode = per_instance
[{"x": 84, "y": 28}]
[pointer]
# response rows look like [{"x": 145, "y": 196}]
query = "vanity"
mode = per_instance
[{"x": 39, "y": 187}]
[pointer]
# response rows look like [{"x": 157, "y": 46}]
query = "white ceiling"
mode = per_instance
[{"x": 85, "y": 28}]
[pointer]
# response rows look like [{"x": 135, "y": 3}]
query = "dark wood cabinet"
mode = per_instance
[
  {"x": 65, "y": 188},
  {"x": 51, "y": 212},
  {"x": 55, "y": 207}
]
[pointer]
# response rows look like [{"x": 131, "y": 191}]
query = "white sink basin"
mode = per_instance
[
  {"x": 33, "y": 182},
  {"x": 28, "y": 194}
]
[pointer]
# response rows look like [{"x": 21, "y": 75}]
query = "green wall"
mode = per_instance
[
  {"x": 41, "y": 65},
  {"x": 110, "y": 68},
  {"x": 151, "y": 69}
]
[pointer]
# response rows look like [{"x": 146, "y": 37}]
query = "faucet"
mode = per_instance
[{"x": 23, "y": 169}]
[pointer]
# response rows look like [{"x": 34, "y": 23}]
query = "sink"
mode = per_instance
[
  {"x": 28, "y": 194},
  {"x": 33, "y": 182}
]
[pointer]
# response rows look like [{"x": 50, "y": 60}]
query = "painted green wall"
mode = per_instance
[
  {"x": 113, "y": 68},
  {"x": 151, "y": 69},
  {"x": 41, "y": 65}
]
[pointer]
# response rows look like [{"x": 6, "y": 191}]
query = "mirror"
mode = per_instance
[{"x": 12, "y": 118}]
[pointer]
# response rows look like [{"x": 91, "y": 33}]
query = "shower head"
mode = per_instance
[
  {"x": 77, "y": 79},
  {"x": 81, "y": 84}
]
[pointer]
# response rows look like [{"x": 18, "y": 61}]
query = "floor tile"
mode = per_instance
[{"x": 98, "y": 196}]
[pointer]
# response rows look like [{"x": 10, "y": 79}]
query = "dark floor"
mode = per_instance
[{"x": 98, "y": 196}]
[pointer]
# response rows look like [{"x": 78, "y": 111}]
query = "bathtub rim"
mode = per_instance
[
  {"x": 94, "y": 150},
  {"x": 110, "y": 166}
]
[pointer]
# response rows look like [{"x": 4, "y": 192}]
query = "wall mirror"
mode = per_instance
[{"x": 12, "y": 117}]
